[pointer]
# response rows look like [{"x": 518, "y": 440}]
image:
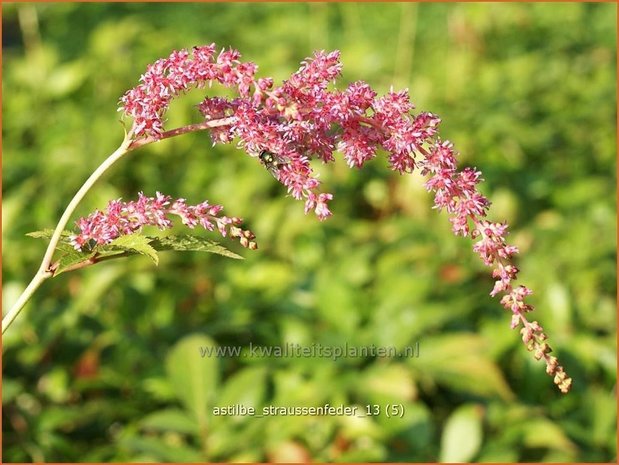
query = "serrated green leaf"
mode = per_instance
[
  {"x": 64, "y": 244},
  {"x": 188, "y": 243},
  {"x": 132, "y": 244},
  {"x": 47, "y": 234},
  {"x": 68, "y": 255}
]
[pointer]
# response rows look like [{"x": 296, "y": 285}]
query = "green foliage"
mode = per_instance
[
  {"x": 105, "y": 363},
  {"x": 462, "y": 436},
  {"x": 188, "y": 243},
  {"x": 134, "y": 244},
  {"x": 66, "y": 255},
  {"x": 69, "y": 259}
]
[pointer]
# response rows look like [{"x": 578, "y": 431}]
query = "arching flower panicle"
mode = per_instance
[{"x": 307, "y": 118}]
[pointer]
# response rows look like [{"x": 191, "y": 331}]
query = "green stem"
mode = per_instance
[
  {"x": 45, "y": 270},
  {"x": 23, "y": 298},
  {"x": 94, "y": 260},
  {"x": 77, "y": 198},
  {"x": 183, "y": 130}
]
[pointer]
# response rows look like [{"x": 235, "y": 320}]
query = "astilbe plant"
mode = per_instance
[{"x": 285, "y": 127}]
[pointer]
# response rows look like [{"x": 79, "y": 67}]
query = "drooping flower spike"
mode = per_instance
[
  {"x": 124, "y": 218},
  {"x": 306, "y": 118}
]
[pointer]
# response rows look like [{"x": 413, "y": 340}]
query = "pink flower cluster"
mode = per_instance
[
  {"x": 167, "y": 78},
  {"x": 306, "y": 118},
  {"x": 456, "y": 191},
  {"x": 123, "y": 218},
  {"x": 300, "y": 120}
]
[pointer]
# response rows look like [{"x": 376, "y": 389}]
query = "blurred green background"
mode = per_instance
[{"x": 104, "y": 363}]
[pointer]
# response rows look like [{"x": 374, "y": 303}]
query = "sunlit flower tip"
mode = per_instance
[
  {"x": 530, "y": 345},
  {"x": 562, "y": 381},
  {"x": 551, "y": 364},
  {"x": 527, "y": 334},
  {"x": 245, "y": 237},
  {"x": 559, "y": 376}
]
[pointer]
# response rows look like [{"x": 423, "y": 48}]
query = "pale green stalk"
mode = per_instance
[{"x": 45, "y": 270}]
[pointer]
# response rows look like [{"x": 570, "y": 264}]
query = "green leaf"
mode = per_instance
[
  {"x": 70, "y": 257},
  {"x": 462, "y": 435},
  {"x": 47, "y": 234},
  {"x": 194, "y": 378},
  {"x": 387, "y": 383},
  {"x": 158, "y": 449},
  {"x": 132, "y": 244},
  {"x": 63, "y": 245},
  {"x": 460, "y": 361},
  {"x": 67, "y": 255},
  {"x": 170, "y": 420},
  {"x": 10, "y": 389},
  {"x": 65, "y": 79},
  {"x": 246, "y": 388},
  {"x": 188, "y": 243},
  {"x": 541, "y": 432}
]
